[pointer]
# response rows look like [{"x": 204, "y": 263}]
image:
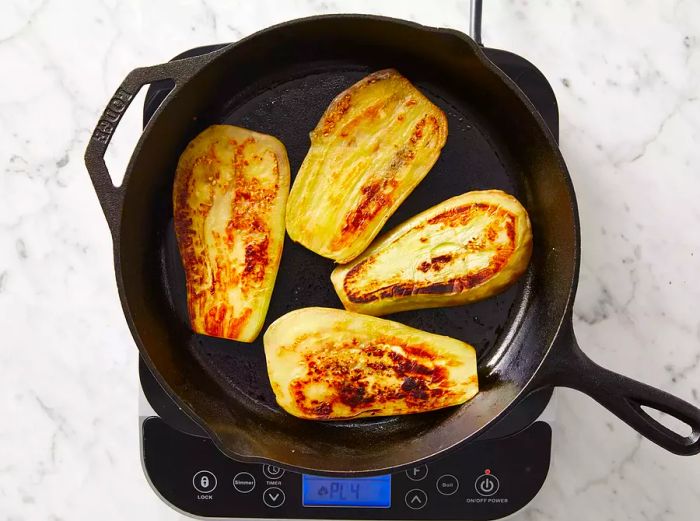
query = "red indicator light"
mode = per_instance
[{"x": 487, "y": 471}]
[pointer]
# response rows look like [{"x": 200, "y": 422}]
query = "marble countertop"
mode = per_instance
[{"x": 627, "y": 77}]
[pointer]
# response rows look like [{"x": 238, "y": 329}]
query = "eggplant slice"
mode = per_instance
[
  {"x": 465, "y": 249},
  {"x": 376, "y": 141},
  {"x": 331, "y": 364},
  {"x": 229, "y": 198}
]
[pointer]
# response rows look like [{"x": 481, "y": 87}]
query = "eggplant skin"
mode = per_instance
[
  {"x": 331, "y": 364},
  {"x": 229, "y": 197},
  {"x": 373, "y": 145},
  {"x": 465, "y": 249}
]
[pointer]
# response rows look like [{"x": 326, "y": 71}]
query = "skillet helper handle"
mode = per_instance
[
  {"x": 111, "y": 197},
  {"x": 475, "y": 9},
  {"x": 570, "y": 367}
]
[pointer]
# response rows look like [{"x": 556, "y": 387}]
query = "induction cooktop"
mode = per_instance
[{"x": 491, "y": 477}]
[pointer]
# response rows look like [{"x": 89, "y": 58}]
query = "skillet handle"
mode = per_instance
[
  {"x": 111, "y": 197},
  {"x": 568, "y": 366}
]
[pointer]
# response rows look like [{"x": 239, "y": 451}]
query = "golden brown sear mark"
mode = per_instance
[
  {"x": 338, "y": 110},
  {"x": 421, "y": 387},
  {"x": 451, "y": 218},
  {"x": 256, "y": 260},
  {"x": 435, "y": 263},
  {"x": 375, "y": 196}
]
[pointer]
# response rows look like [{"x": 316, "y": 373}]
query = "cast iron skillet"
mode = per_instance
[{"x": 279, "y": 81}]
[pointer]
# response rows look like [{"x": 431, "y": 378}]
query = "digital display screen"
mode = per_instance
[{"x": 372, "y": 492}]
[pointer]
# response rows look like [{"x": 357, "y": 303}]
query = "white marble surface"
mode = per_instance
[{"x": 627, "y": 76}]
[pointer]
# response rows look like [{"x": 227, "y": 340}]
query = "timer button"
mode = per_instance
[
  {"x": 447, "y": 484},
  {"x": 204, "y": 481},
  {"x": 487, "y": 484},
  {"x": 418, "y": 473},
  {"x": 416, "y": 499},
  {"x": 273, "y": 472},
  {"x": 274, "y": 497}
]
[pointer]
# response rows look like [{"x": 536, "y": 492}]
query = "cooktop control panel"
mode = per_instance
[{"x": 484, "y": 480}]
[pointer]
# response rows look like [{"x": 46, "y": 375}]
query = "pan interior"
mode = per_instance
[
  {"x": 288, "y": 105},
  {"x": 279, "y": 82}
]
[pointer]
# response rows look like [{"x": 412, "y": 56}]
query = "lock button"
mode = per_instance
[{"x": 204, "y": 481}]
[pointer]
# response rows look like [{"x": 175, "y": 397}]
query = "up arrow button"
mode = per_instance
[{"x": 416, "y": 499}]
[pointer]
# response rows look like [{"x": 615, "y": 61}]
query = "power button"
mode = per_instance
[{"x": 487, "y": 484}]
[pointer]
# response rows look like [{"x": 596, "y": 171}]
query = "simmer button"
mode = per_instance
[{"x": 244, "y": 482}]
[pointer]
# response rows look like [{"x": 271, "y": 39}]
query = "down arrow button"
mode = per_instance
[{"x": 273, "y": 497}]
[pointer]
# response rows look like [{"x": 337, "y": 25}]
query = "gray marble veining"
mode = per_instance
[{"x": 627, "y": 77}]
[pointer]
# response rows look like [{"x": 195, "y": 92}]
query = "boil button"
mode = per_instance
[
  {"x": 487, "y": 484},
  {"x": 447, "y": 484}
]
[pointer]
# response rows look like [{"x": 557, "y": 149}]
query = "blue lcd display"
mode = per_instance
[{"x": 372, "y": 492}]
